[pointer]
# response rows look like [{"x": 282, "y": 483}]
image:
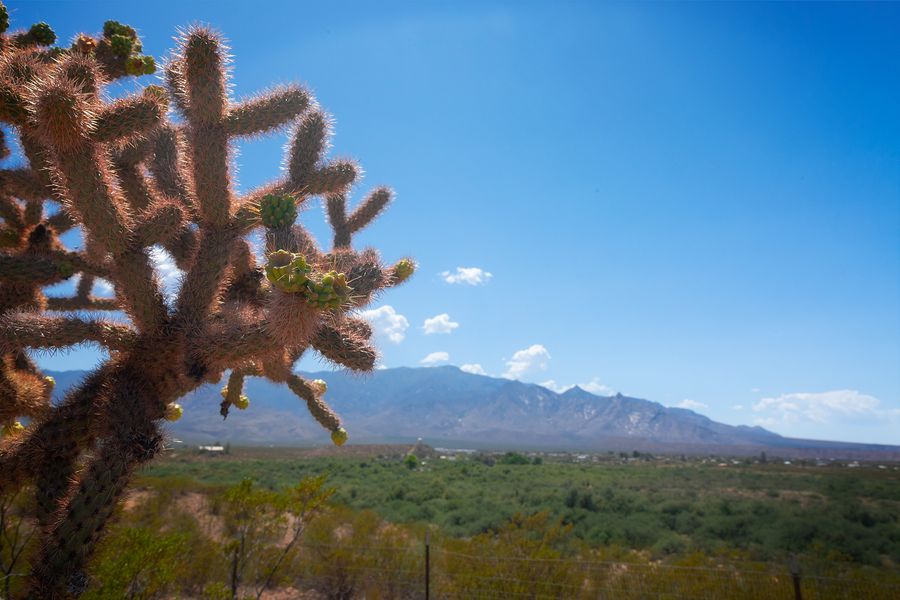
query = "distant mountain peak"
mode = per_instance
[{"x": 451, "y": 406}]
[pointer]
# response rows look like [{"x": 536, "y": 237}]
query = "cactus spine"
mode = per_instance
[{"x": 130, "y": 179}]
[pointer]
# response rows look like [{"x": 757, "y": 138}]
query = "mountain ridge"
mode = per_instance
[{"x": 458, "y": 408}]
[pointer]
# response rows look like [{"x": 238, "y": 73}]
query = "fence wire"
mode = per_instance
[{"x": 396, "y": 572}]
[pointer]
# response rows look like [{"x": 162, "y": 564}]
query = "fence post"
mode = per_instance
[
  {"x": 795, "y": 577},
  {"x": 427, "y": 564}
]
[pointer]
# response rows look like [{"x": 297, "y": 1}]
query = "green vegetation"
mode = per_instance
[
  {"x": 765, "y": 511},
  {"x": 138, "y": 562},
  {"x": 504, "y": 525}
]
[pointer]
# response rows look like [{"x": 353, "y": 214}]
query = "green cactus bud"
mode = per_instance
[
  {"x": 149, "y": 64},
  {"x": 320, "y": 386},
  {"x": 4, "y": 19},
  {"x": 42, "y": 34},
  {"x": 277, "y": 210},
  {"x": 51, "y": 383},
  {"x": 174, "y": 411},
  {"x": 65, "y": 270},
  {"x": 278, "y": 265},
  {"x": 339, "y": 436},
  {"x": 134, "y": 66},
  {"x": 242, "y": 403},
  {"x": 111, "y": 28},
  {"x": 403, "y": 270},
  {"x": 330, "y": 290},
  {"x": 120, "y": 44},
  {"x": 288, "y": 272},
  {"x": 224, "y": 392}
]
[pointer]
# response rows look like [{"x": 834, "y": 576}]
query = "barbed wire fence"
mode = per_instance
[{"x": 430, "y": 571}]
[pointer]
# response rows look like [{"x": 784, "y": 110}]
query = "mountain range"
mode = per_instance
[{"x": 449, "y": 407}]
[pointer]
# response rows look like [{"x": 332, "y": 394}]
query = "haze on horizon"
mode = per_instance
[{"x": 697, "y": 204}]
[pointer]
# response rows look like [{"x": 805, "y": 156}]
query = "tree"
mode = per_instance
[
  {"x": 352, "y": 554},
  {"x": 300, "y": 503},
  {"x": 514, "y": 458},
  {"x": 138, "y": 563},
  {"x": 134, "y": 182},
  {"x": 257, "y": 520}
]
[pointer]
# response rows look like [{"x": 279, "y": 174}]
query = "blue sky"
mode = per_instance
[{"x": 695, "y": 204}]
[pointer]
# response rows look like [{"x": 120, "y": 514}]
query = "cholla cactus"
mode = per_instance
[{"x": 130, "y": 179}]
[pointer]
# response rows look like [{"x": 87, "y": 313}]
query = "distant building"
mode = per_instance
[{"x": 212, "y": 449}]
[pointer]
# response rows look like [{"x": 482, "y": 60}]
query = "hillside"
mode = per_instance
[{"x": 448, "y": 406}]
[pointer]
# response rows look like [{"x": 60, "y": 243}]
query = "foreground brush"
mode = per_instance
[{"x": 132, "y": 181}]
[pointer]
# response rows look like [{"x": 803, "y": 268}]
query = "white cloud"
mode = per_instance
[
  {"x": 169, "y": 274},
  {"x": 559, "y": 388},
  {"x": 594, "y": 386},
  {"x": 529, "y": 359},
  {"x": 435, "y": 358},
  {"x": 737, "y": 407},
  {"x": 387, "y": 322},
  {"x": 821, "y": 407},
  {"x": 467, "y": 275},
  {"x": 439, "y": 324},
  {"x": 691, "y": 404},
  {"x": 766, "y": 422},
  {"x": 474, "y": 369}
]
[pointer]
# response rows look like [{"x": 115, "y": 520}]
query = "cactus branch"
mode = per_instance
[
  {"x": 267, "y": 112},
  {"x": 33, "y": 330}
]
